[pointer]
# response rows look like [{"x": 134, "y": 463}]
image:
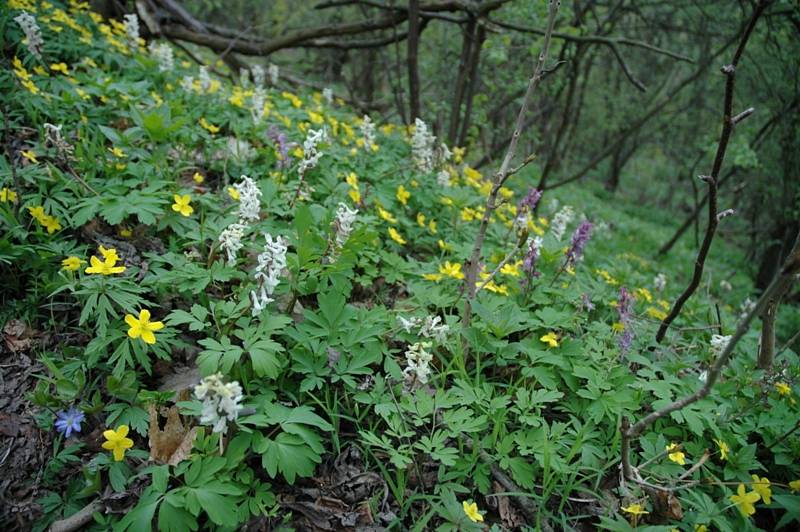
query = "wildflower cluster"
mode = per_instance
[
  {"x": 221, "y": 402},
  {"x": 33, "y": 35},
  {"x": 51, "y": 223},
  {"x": 271, "y": 263},
  {"x": 624, "y": 311},
  {"x": 342, "y": 227},
  {"x": 422, "y": 146},
  {"x": 417, "y": 371}
]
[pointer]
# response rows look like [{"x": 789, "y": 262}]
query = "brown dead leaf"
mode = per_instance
[
  {"x": 18, "y": 336},
  {"x": 508, "y": 514},
  {"x": 172, "y": 444}
]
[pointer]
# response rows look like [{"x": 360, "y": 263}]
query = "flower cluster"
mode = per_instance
[
  {"x": 327, "y": 94},
  {"x": 746, "y": 307},
  {"x": 418, "y": 361},
  {"x": 274, "y": 73},
  {"x": 429, "y": 327},
  {"x": 33, "y": 35},
  {"x": 231, "y": 240},
  {"x": 249, "y": 199},
  {"x": 719, "y": 343},
  {"x": 368, "y": 133},
  {"x": 342, "y": 227},
  {"x": 560, "y": 221},
  {"x": 259, "y": 76},
  {"x": 163, "y": 54},
  {"x": 579, "y": 239},
  {"x": 311, "y": 154},
  {"x": 131, "y": 23},
  {"x": 422, "y": 143},
  {"x": 531, "y": 256},
  {"x": 660, "y": 282},
  {"x": 221, "y": 402},
  {"x": 53, "y": 139},
  {"x": 204, "y": 78},
  {"x": 624, "y": 311},
  {"x": 108, "y": 265},
  {"x": 271, "y": 263},
  {"x": 51, "y": 223},
  {"x": 282, "y": 145}
]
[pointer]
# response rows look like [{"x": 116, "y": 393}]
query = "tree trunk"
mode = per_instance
[
  {"x": 461, "y": 81},
  {"x": 413, "y": 65},
  {"x": 475, "y": 59}
]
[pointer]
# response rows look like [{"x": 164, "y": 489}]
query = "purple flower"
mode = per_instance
[
  {"x": 579, "y": 239},
  {"x": 529, "y": 262},
  {"x": 586, "y": 303},
  {"x": 282, "y": 144},
  {"x": 69, "y": 421},
  {"x": 529, "y": 202},
  {"x": 624, "y": 312}
]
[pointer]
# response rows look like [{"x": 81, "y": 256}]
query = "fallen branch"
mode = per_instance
[
  {"x": 78, "y": 519},
  {"x": 727, "y": 129}
]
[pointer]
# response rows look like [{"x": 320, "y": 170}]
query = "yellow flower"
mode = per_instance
[
  {"x": 432, "y": 226},
  {"x": 117, "y": 442},
  {"x": 421, "y": 219},
  {"x": 28, "y": 154},
  {"x": 117, "y": 152},
  {"x": 37, "y": 213},
  {"x": 744, "y": 500},
  {"x": 675, "y": 454},
  {"x": 438, "y": 277},
  {"x": 606, "y": 277},
  {"x": 233, "y": 193},
  {"x": 446, "y": 201},
  {"x": 451, "y": 270},
  {"x": 550, "y": 339},
  {"x": 444, "y": 246},
  {"x": 60, "y": 67},
  {"x": 125, "y": 232},
  {"x": 794, "y": 485},
  {"x": 352, "y": 179},
  {"x": 645, "y": 293},
  {"x": 386, "y": 215},
  {"x": 458, "y": 154},
  {"x": 618, "y": 327},
  {"x": 211, "y": 128},
  {"x": 198, "y": 178},
  {"x": 472, "y": 512},
  {"x": 403, "y": 195},
  {"x": 7, "y": 195},
  {"x": 783, "y": 388},
  {"x": 511, "y": 269},
  {"x": 181, "y": 204},
  {"x": 496, "y": 288},
  {"x": 71, "y": 263},
  {"x": 396, "y": 236},
  {"x": 700, "y": 528},
  {"x": 635, "y": 509},
  {"x": 355, "y": 195},
  {"x": 106, "y": 267},
  {"x": 143, "y": 327},
  {"x": 761, "y": 486},
  {"x": 658, "y": 314},
  {"x": 723, "y": 449}
]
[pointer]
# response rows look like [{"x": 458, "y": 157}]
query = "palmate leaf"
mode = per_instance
[{"x": 288, "y": 455}]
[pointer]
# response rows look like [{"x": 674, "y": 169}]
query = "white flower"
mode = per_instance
[
  {"x": 703, "y": 376},
  {"x": 434, "y": 328},
  {"x": 418, "y": 363},
  {"x": 747, "y": 306},
  {"x": 205, "y": 79},
  {"x": 163, "y": 54},
  {"x": 660, "y": 282},
  {"x": 443, "y": 178},
  {"x": 231, "y": 240},
  {"x": 187, "y": 83},
  {"x": 327, "y": 93},
  {"x": 258, "y": 75},
  {"x": 368, "y": 132},
  {"x": 274, "y": 71},
  {"x": 408, "y": 324},
  {"x": 343, "y": 224},
  {"x": 54, "y": 139},
  {"x": 244, "y": 77},
  {"x": 560, "y": 222},
  {"x": 240, "y": 150},
  {"x": 422, "y": 143},
  {"x": 725, "y": 285},
  {"x": 719, "y": 343},
  {"x": 221, "y": 402},
  {"x": 311, "y": 155},
  {"x": 271, "y": 263},
  {"x": 33, "y": 34},
  {"x": 131, "y": 24},
  {"x": 257, "y": 104},
  {"x": 249, "y": 202}
]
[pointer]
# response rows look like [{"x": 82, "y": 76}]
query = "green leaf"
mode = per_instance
[{"x": 289, "y": 455}]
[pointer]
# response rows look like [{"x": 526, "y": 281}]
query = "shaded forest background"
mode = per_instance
[{"x": 631, "y": 99}]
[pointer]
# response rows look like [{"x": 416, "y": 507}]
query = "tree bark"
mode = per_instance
[
  {"x": 412, "y": 59},
  {"x": 461, "y": 80},
  {"x": 474, "y": 63}
]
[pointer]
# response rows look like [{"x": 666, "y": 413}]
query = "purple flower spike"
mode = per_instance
[
  {"x": 69, "y": 421},
  {"x": 624, "y": 312},
  {"x": 282, "y": 143},
  {"x": 529, "y": 202},
  {"x": 579, "y": 239}
]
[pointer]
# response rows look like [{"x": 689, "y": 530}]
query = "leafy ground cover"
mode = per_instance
[{"x": 236, "y": 304}]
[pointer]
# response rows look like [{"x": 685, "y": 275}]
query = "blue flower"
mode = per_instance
[{"x": 69, "y": 421}]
